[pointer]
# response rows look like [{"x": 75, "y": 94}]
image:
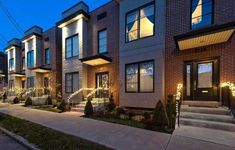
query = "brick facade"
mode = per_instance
[{"x": 177, "y": 23}]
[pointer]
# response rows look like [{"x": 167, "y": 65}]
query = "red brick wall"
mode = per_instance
[{"x": 178, "y": 22}]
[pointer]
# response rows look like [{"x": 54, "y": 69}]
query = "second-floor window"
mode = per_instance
[
  {"x": 140, "y": 23},
  {"x": 11, "y": 64},
  {"x": 23, "y": 63},
  {"x": 102, "y": 42},
  {"x": 47, "y": 56},
  {"x": 30, "y": 58},
  {"x": 71, "y": 46},
  {"x": 201, "y": 14}
]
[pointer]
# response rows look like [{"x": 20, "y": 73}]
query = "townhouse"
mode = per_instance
[
  {"x": 3, "y": 70},
  {"x": 34, "y": 62},
  {"x": 90, "y": 51}
]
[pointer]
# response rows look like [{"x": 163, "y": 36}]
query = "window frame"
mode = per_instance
[
  {"x": 212, "y": 14},
  {"x": 98, "y": 41},
  {"x": 138, "y": 30},
  {"x": 70, "y": 73},
  {"x": 71, "y": 37},
  {"x": 31, "y": 63},
  {"x": 11, "y": 64},
  {"x": 138, "y": 78},
  {"x": 31, "y": 85},
  {"x": 45, "y": 59}
]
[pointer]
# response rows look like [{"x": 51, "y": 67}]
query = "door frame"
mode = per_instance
[
  {"x": 100, "y": 73},
  {"x": 194, "y": 62}
]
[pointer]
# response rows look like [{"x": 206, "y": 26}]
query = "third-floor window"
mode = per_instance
[
  {"x": 140, "y": 22},
  {"x": 47, "y": 56},
  {"x": 71, "y": 46},
  {"x": 30, "y": 58},
  {"x": 202, "y": 12},
  {"x": 102, "y": 43}
]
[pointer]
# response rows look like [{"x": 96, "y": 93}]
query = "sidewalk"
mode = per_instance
[{"x": 117, "y": 136}]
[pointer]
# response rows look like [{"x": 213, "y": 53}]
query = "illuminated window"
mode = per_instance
[
  {"x": 140, "y": 23},
  {"x": 140, "y": 77},
  {"x": 102, "y": 41},
  {"x": 71, "y": 46},
  {"x": 11, "y": 64},
  {"x": 201, "y": 14},
  {"x": 71, "y": 82},
  {"x": 30, "y": 58}
]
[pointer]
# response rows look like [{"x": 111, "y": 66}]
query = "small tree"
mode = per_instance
[
  {"x": 88, "y": 108},
  {"x": 28, "y": 102},
  {"x": 111, "y": 105},
  {"x": 62, "y": 106},
  {"x": 159, "y": 117},
  {"x": 16, "y": 100}
]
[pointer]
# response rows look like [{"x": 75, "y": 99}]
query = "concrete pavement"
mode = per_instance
[{"x": 122, "y": 137}]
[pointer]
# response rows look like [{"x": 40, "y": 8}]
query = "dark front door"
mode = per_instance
[
  {"x": 201, "y": 80},
  {"x": 102, "y": 81}
]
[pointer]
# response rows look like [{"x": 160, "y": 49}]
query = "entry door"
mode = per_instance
[
  {"x": 201, "y": 80},
  {"x": 46, "y": 86},
  {"x": 102, "y": 81}
]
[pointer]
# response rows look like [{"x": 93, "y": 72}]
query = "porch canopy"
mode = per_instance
[
  {"x": 96, "y": 60},
  {"x": 17, "y": 74},
  {"x": 41, "y": 69},
  {"x": 205, "y": 37}
]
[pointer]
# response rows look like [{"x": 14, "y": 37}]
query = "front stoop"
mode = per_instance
[{"x": 206, "y": 114}]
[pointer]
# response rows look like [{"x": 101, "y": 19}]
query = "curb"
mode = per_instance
[{"x": 19, "y": 139}]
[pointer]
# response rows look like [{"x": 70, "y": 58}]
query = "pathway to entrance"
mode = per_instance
[{"x": 118, "y": 136}]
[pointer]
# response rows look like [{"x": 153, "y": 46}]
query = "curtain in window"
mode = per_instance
[
  {"x": 75, "y": 82},
  {"x": 132, "y": 26},
  {"x": 147, "y": 21}
]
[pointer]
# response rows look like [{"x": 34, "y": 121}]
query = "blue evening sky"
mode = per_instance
[{"x": 27, "y": 13}]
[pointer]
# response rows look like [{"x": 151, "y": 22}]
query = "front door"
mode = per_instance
[
  {"x": 102, "y": 81},
  {"x": 201, "y": 80}
]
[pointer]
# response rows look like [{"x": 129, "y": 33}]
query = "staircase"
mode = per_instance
[
  {"x": 96, "y": 103},
  {"x": 206, "y": 114}
]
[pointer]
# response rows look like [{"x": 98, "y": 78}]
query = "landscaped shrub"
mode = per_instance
[
  {"x": 171, "y": 112},
  {"x": 111, "y": 105},
  {"x": 62, "y": 106},
  {"x": 146, "y": 116},
  {"x": 120, "y": 110},
  {"x": 131, "y": 114},
  {"x": 28, "y": 102},
  {"x": 159, "y": 116},
  {"x": 21, "y": 99},
  {"x": 16, "y": 100},
  {"x": 88, "y": 108},
  {"x": 49, "y": 101}
]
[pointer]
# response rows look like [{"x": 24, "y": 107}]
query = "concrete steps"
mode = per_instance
[
  {"x": 206, "y": 114},
  {"x": 208, "y": 124}
]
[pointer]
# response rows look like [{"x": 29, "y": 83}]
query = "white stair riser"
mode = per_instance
[
  {"x": 211, "y": 104},
  {"x": 204, "y": 110}
]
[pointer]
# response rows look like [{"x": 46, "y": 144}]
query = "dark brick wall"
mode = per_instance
[
  {"x": 178, "y": 22},
  {"x": 111, "y": 23}
]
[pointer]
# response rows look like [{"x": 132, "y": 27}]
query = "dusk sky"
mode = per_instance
[{"x": 27, "y": 13}]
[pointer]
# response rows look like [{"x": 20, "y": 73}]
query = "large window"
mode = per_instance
[
  {"x": 102, "y": 43},
  {"x": 11, "y": 64},
  {"x": 71, "y": 46},
  {"x": 202, "y": 12},
  {"x": 30, "y": 58},
  {"x": 30, "y": 82},
  {"x": 71, "y": 82},
  {"x": 140, "y": 77},
  {"x": 140, "y": 23},
  {"x": 47, "y": 56}
]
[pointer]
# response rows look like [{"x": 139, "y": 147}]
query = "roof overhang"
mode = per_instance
[
  {"x": 16, "y": 74},
  {"x": 72, "y": 18},
  {"x": 11, "y": 47},
  {"x": 96, "y": 60},
  {"x": 205, "y": 37},
  {"x": 40, "y": 70},
  {"x": 30, "y": 37}
]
